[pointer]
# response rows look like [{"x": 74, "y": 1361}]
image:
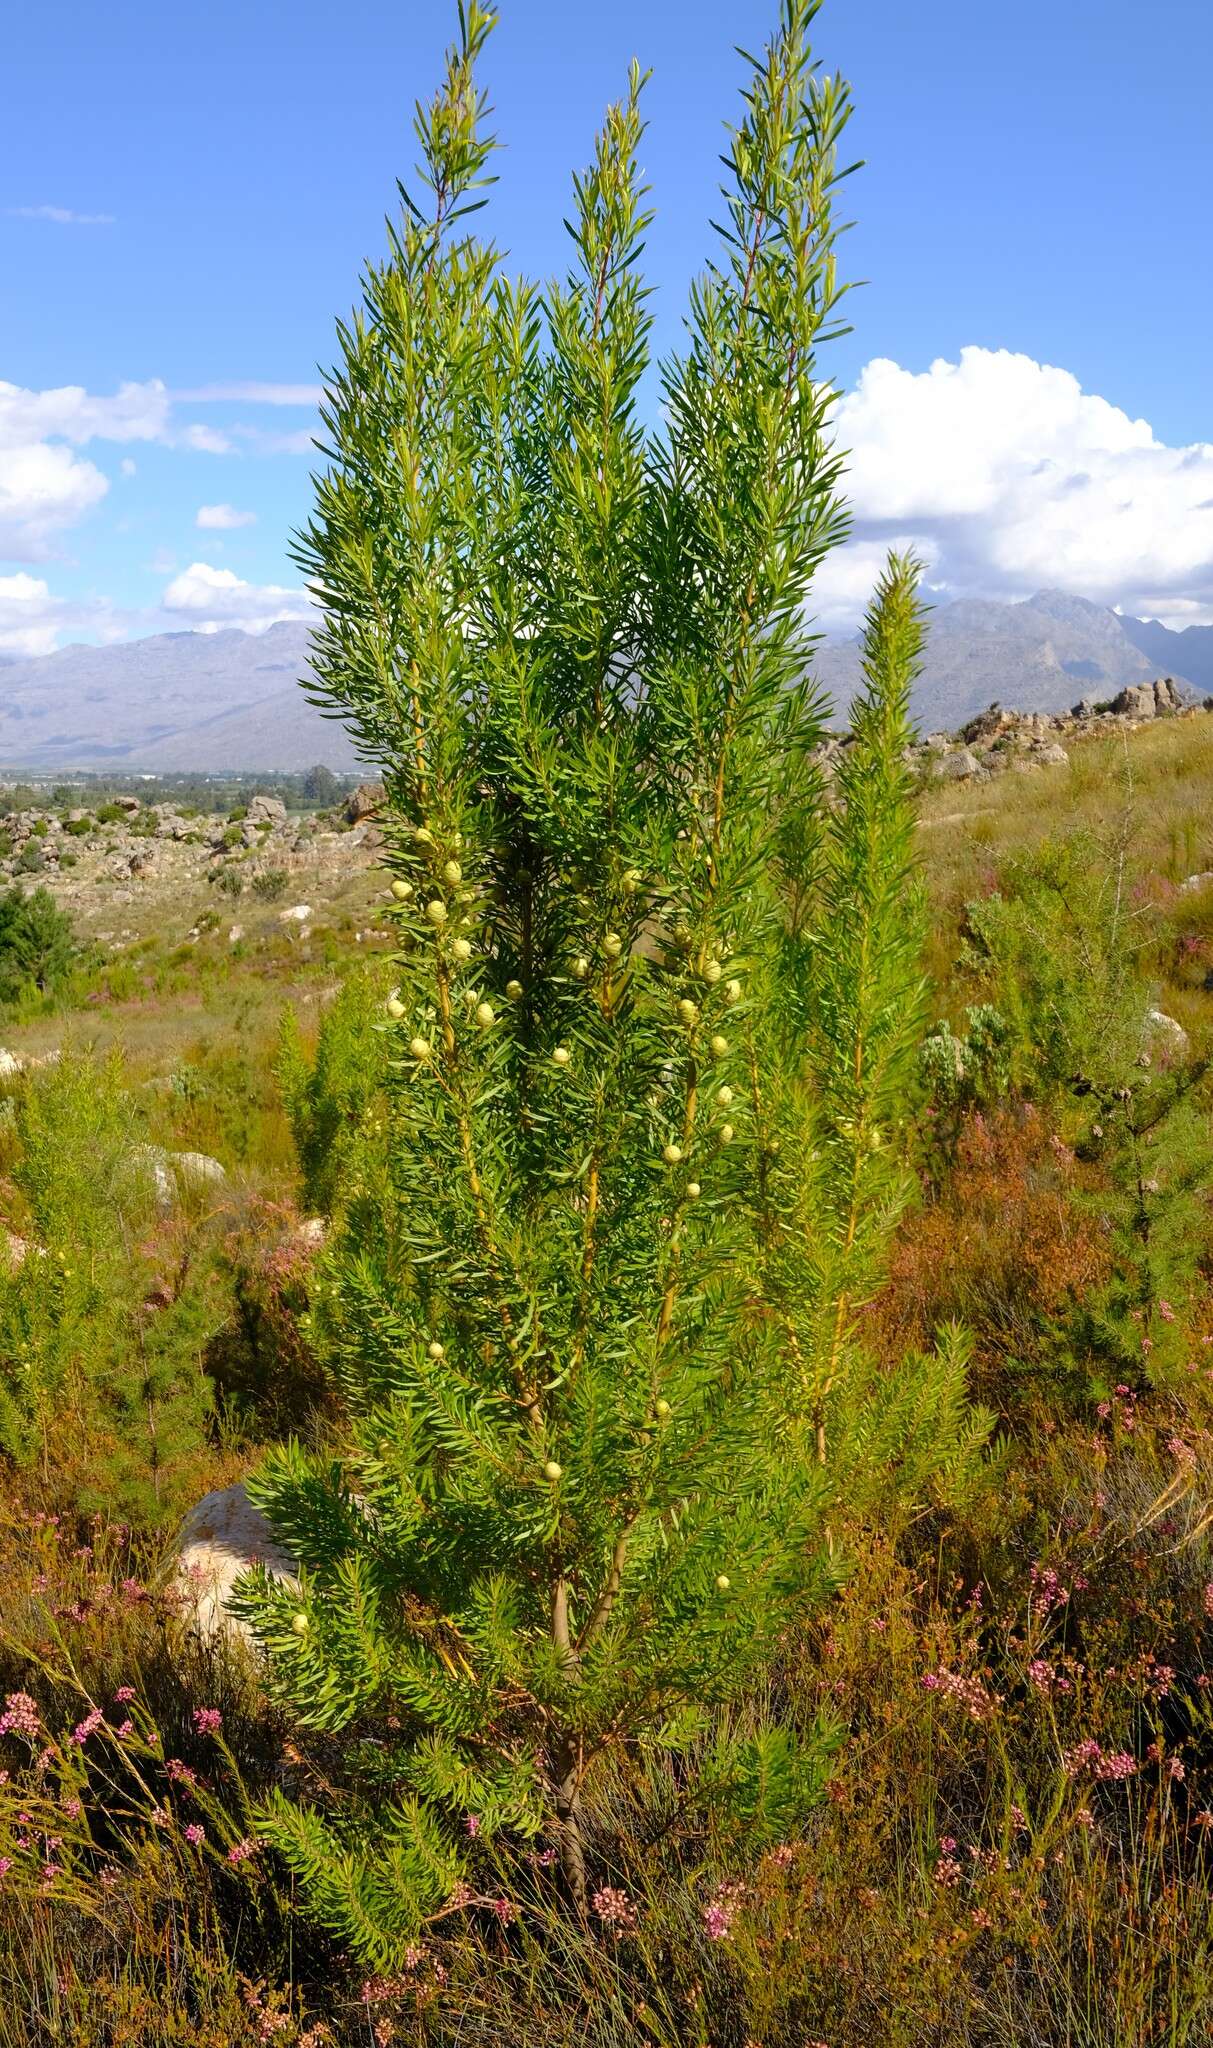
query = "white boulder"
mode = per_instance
[
  {"x": 1167, "y": 1033},
  {"x": 220, "y": 1539}
]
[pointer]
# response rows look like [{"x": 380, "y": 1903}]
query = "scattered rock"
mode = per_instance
[
  {"x": 196, "y": 1168},
  {"x": 1137, "y": 701},
  {"x": 1167, "y": 1032},
  {"x": 364, "y": 801},
  {"x": 173, "y": 1173},
  {"x": 266, "y": 810},
  {"x": 960, "y": 765},
  {"x": 219, "y": 1540},
  {"x": 1195, "y": 882},
  {"x": 297, "y": 914}
]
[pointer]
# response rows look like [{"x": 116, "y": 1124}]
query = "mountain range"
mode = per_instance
[
  {"x": 231, "y": 700},
  {"x": 1042, "y": 654},
  {"x": 175, "y": 701}
]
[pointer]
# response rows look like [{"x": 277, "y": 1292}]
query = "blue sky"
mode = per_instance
[{"x": 1036, "y": 192}]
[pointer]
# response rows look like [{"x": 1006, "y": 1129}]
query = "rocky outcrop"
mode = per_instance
[
  {"x": 173, "y": 1174},
  {"x": 998, "y": 739}
]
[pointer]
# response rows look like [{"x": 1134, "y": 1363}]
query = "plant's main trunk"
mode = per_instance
[
  {"x": 569, "y": 1818},
  {"x": 564, "y": 1763}
]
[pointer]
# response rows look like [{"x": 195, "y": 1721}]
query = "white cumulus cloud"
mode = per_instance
[
  {"x": 212, "y": 598},
  {"x": 1007, "y": 475},
  {"x": 44, "y": 485},
  {"x": 222, "y": 518},
  {"x": 33, "y": 620},
  {"x": 27, "y": 622}
]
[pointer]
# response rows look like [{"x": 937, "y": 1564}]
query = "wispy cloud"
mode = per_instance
[
  {"x": 223, "y": 518},
  {"x": 251, "y": 393},
  {"x": 63, "y": 216}
]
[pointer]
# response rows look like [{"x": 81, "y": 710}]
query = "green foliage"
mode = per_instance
[
  {"x": 1066, "y": 947},
  {"x": 330, "y": 1097},
  {"x": 37, "y": 948},
  {"x": 320, "y": 786},
  {"x": 106, "y": 1303},
  {"x": 559, "y": 1521},
  {"x": 963, "y": 1071},
  {"x": 847, "y": 985}
]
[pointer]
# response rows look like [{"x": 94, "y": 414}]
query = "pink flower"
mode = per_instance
[
  {"x": 87, "y": 1727},
  {"x": 506, "y": 1911},
  {"x": 1166, "y": 1311},
  {"x": 722, "y": 1909},
  {"x": 194, "y": 1834},
  {"x": 1175, "y": 1770},
  {"x": 1117, "y": 1767},
  {"x": 615, "y": 1910},
  {"x": 968, "y": 1693},
  {"x": 21, "y": 1717},
  {"x": 124, "y": 1695},
  {"x": 240, "y": 1852},
  {"x": 208, "y": 1720},
  {"x": 947, "y": 1872},
  {"x": 472, "y": 1824}
]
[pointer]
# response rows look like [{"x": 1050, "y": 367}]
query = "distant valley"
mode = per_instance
[
  {"x": 210, "y": 702},
  {"x": 176, "y": 701}
]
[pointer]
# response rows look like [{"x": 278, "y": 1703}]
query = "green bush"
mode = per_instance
[
  {"x": 331, "y": 1098},
  {"x": 37, "y": 947},
  {"x": 599, "y": 1386},
  {"x": 105, "y": 1319}
]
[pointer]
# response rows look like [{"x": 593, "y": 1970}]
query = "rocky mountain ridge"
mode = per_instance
[
  {"x": 233, "y": 701},
  {"x": 1036, "y": 654}
]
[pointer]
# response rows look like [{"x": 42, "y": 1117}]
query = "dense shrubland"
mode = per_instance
[{"x": 749, "y": 1460}]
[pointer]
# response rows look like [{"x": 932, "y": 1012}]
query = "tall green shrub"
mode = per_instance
[{"x": 564, "y": 1523}]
